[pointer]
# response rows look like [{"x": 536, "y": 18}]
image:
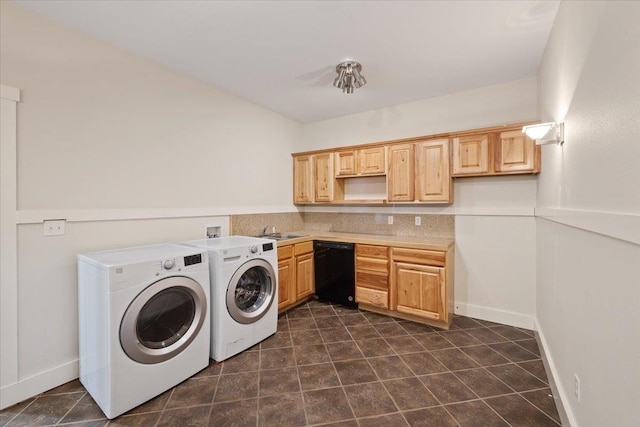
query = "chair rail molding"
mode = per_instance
[{"x": 616, "y": 225}]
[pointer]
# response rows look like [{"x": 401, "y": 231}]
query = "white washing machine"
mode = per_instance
[
  {"x": 244, "y": 292},
  {"x": 143, "y": 322}
]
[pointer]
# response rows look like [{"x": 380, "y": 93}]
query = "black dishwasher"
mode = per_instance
[{"x": 335, "y": 272}]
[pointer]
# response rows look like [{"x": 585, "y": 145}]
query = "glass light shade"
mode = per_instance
[
  {"x": 538, "y": 131},
  {"x": 545, "y": 133}
]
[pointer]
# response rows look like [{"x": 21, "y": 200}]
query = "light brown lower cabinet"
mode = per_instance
[
  {"x": 286, "y": 277},
  {"x": 372, "y": 275},
  {"x": 422, "y": 285},
  {"x": 295, "y": 274},
  {"x": 413, "y": 284},
  {"x": 304, "y": 276}
]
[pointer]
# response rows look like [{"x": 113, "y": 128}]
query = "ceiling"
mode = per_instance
[{"x": 282, "y": 54}]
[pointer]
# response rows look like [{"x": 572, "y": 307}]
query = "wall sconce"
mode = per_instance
[{"x": 545, "y": 133}]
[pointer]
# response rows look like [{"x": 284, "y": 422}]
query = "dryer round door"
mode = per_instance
[
  {"x": 251, "y": 291},
  {"x": 163, "y": 320}
]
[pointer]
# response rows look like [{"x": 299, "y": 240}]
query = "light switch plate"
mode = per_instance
[
  {"x": 418, "y": 220},
  {"x": 390, "y": 220}
]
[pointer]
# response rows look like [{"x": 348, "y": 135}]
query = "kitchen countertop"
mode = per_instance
[{"x": 428, "y": 243}]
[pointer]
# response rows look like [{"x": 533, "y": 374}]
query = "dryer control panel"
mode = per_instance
[{"x": 171, "y": 264}]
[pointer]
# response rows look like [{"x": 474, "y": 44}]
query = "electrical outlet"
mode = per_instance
[
  {"x": 54, "y": 227},
  {"x": 390, "y": 220},
  {"x": 418, "y": 220},
  {"x": 576, "y": 387}
]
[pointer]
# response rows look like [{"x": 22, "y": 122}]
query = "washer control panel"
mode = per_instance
[{"x": 171, "y": 264}]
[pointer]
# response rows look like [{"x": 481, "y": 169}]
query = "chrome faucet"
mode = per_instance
[{"x": 264, "y": 231}]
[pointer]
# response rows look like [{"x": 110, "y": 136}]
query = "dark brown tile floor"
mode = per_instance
[{"x": 328, "y": 365}]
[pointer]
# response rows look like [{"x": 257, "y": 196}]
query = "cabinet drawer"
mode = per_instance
[
  {"x": 418, "y": 256},
  {"x": 372, "y": 251},
  {"x": 372, "y": 280},
  {"x": 372, "y": 264},
  {"x": 303, "y": 248},
  {"x": 285, "y": 252},
  {"x": 372, "y": 296}
]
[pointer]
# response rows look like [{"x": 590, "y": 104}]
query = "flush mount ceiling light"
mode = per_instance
[
  {"x": 349, "y": 76},
  {"x": 545, "y": 133}
]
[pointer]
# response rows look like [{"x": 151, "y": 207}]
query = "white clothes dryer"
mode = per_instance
[
  {"x": 143, "y": 322},
  {"x": 244, "y": 292}
]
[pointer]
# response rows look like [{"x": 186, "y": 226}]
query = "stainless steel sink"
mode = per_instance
[{"x": 280, "y": 236}]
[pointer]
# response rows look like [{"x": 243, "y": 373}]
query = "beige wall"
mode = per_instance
[
  {"x": 588, "y": 228},
  {"x": 130, "y": 153}
]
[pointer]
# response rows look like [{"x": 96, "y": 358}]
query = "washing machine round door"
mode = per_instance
[
  {"x": 251, "y": 291},
  {"x": 163, "y": 319}
]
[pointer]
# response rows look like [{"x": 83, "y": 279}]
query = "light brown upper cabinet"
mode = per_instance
[
  {"x": 433, "y": 180},
  {"x": 372, "y": 161},
  {"x": 362, "y": 162},
  {"x": 400, "y": 178},
  {"x": 516, "y": 152},
  {"x": 500, "y": 153},
  {"x": 413, "y": 170},
  {"x": 471, "y": 155},
  {"x": 346, "y": 163},
  {"x": 303, "y": 181},
  {"x": 323, "y": 177}
]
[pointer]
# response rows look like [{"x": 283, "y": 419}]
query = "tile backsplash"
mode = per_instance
[
  {"x": 440, "y": 226},
  {"x": 253, "y": 224}
]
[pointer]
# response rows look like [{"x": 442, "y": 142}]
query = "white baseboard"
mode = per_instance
[
  {"x": 495, "y": 315},
  {"x": 36, "y": 384},
  {"x": 559, "y": 392}
]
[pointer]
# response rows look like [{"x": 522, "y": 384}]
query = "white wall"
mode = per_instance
[
  {"x": 495, "y": 228},
  {"x": 101, "y": 128},
  {"x": 103, "y": 135},
  {"x": 504, "y": 103},
  {"x": 588, "y": 298}
]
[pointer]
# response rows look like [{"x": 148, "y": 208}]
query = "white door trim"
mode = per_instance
[{"x": 10, "y": 96}]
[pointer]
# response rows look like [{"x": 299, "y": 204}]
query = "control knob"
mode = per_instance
[
  {"x": 254, "y": 249},
  {"x": 169, "y": 264}
]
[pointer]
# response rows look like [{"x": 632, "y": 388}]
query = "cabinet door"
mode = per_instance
[
  {"x": 400, "y": 178},
  {"x": 345, "y": 163},
  {"x": 471, "y": 155},
  {"x": 433, "y": 181},
  {"x": 304, "y": 275},
  {"x": 372, "y": 161},
  {"x": 286, "y": 283},
  {"x": 515, "y": 152},
  {"x": 303, "y": 179},
  {"x": 420, "y": 290},
  {"x": 324, "y": 177}
]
